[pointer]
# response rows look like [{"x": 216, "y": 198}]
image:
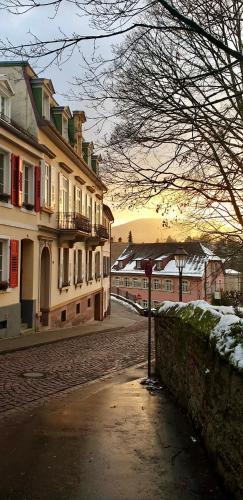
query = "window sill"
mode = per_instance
[
  {"x": 27, "y": 211},
  {"x": 64, "y": 288},
  {"x": 48, "y": 210},
  {"x": 6, "y": 204}
]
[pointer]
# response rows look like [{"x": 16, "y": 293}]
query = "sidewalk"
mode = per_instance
[
  {"x": 108, "y": 440},
  {"x": 121, "y": 317}
]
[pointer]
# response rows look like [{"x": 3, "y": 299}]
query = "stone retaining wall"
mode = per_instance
[{"x": 207, "y": 386}]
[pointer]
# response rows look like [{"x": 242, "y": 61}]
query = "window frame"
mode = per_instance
[
  {"x": 127, "y": 282},
  {"x": 5, "y": 105},
  {"x": 156, "y": 284},
  {"x": 65, "y": 268},
  {"x": 4, "y": 276},
  {"x": 45, "y": 107},
  {"x": 165, "y": 288},
  {"x": 6, "y": 171},
  {"x": 80, "y": 266},
  {"x": 48, "y": 187},
  {"x": 187, "y": 288},
  {"x": 78, "y": 200},
  {"x": 145, "y": 283},
  {"x": 31, "y": 184}
]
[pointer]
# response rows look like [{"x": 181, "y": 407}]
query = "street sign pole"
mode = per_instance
[{"x": 149, "y": 327}]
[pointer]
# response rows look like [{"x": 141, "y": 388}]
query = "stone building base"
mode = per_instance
[
  {"x": 73, "y": 313},
  {"x": 10, "y": 320}
]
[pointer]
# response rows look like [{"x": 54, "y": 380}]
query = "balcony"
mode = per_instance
[
  {"x": 101, "y": 232},
  {"x": 98, "y": 237},
  {"x": 73, "y": 226}
]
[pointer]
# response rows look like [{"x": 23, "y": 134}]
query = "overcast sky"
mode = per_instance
[{"x": 41, "y": 23}]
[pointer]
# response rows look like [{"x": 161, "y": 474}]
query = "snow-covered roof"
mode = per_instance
[
  {"x": 198, "y": 255},
  {"x": 161, "y": 257},
  {"x": 232, "y": 271}
]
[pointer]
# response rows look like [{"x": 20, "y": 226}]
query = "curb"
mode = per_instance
[{"x": 55, "y": 341}]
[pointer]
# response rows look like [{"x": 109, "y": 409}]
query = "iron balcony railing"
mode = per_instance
[
  {"x": 74, "y": 221},
  {"x": 101, "y": 231}
]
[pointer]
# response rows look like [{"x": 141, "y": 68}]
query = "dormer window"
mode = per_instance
[
  {"x": 159, "y": 266},
  {"x": 138, "y": 266},
  {"x": 4, "y": 106},
  {"x": 120, "y": 264},
  {"x": 46, "y": 106},
  {"x": 65, "y": 128}
]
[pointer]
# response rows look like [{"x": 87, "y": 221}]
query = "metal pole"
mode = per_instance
[
  {"x": 149, "y": 327},
  {"x": 180, "y": 285}
]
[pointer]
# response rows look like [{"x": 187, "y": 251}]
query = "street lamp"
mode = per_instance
[{"x": 180, "y": 261}]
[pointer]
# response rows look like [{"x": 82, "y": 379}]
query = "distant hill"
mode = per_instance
[{"x": 149, "y": 231}]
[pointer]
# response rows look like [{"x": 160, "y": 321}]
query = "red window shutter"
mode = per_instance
[
  {"x": 14, "y": 263},
  {"x": 20, "y": 182},
  {"x": 37, "y": 188},
  {"x": 14, "y": 179}
]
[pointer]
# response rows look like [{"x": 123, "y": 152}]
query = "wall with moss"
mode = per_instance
[{"x": 203, "y": 375}]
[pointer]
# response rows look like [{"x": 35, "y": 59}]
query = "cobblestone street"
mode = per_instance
[{"x": 68, "y": 363}]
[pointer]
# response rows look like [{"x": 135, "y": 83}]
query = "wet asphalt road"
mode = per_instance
[{"x": 108, "y": 440}]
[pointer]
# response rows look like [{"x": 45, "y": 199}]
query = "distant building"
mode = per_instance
[
  {"x": 233, "y": 281},
  {"x": 54, "y": 229},
  {"x": 203, "y": 276},
  {"x": 116, "y": 250}
]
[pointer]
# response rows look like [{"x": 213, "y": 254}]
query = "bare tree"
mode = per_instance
[
  {"x": 176, "y": 82},
  {"x": 180, "y": 108}
]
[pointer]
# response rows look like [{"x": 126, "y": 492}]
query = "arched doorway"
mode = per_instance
[
  {"x": 45, "y": 285},
  {"x": 28, "y": 304}
]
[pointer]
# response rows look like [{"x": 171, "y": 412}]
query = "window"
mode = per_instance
[
  {"x": 65, "y": 128},
  {"x": 156, "y": 304},
  {"x": 90, "y": 208},
  {"x": 28, "y": 195},
  {"x": 89, "y": 302},
  {"x": 145, "y": 283},
  {"x": 97, "y": 221},
  {"x": 63, "y": 315},
  {"x": 64, "y": 194},
  {"x": 47, "y": 185},
  {"x": 90, "y": 277},
  {"x": 46, "y": 106},
  {"x": 117, "y": 281},
  {"x": 4, "y": 173},
  {"x": 4, "y": 106},
  {"x": 78, "y": 201},
  {"x": 138, "y": 266},
  {"x": 8, "y": 263},
  {"x": 65, "y": 277},
  {"x": 159, "y": 266},
  {"x": 127, "y": 282},
  {"x": 185, "y": 286},
  {"x": 79, "y": 276},
  {"x": 145, "y": 303},
  {"x": 78, "y": 308},
  {"x": 97, "y": 265},
  {"x": 135, "y": 283},
  {"x": 105, "y": 266},
  {"x": 156, "y": 284},
  {"x": 1, "y": 260},
  {"x": 167, "y": 285},
  {"x": 120, "y": 264}
]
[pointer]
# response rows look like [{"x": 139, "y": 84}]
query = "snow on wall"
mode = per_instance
[{"x": 227, "y": 332}]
